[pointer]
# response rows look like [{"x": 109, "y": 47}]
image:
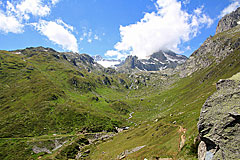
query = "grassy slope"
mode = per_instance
[
  {"x": 41, "y": 97},
  {"x": 181, "y": 104},
  {"x": 44, "y": 95}
]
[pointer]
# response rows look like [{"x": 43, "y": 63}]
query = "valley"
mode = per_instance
[{"x": 64, "y": 105}]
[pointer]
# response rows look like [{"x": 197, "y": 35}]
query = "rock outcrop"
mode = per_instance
[
  {"x": 219, "y": 123},
  {"x": 213, "y": 50},
  {"x": 81, "y": 61},
  {"x": 228, "y": 21},
  {"x": 216, "y": 48}
]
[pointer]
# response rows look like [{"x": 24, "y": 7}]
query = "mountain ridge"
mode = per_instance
[
  {"x": 50, "y": 98},
  {"x": 156, "y": 62}
]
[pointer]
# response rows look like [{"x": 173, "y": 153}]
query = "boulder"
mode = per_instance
[{"x": 219, "y": 123}]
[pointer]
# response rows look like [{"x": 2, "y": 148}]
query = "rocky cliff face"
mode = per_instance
[
  {"x": 229, "y": 21},
  {"x": 82, "y": 61},
  {"x": 158, "y": 61},
  {"x": 213, "y": 50},
  {"x": 219, "y": 123}
]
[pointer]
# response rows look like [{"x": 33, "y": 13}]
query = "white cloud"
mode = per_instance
[
  {"x": 198, "y": 11},
  {"x": 57, "y": 34},
  {"x": 188, "y": 48},
  {"x": 34, "y": 7},
  {"x": 96, "y": 37},
  {"x": 233, "y": 6},
  {"x": 60, "y": 21},
  {"x": 112, "y": 53},
  {"x": 107, "y": 64},
  {"x": 89, "y": 40},
  {"x": 9, "y": 23},
  {"x": 166, "y": 28},
  {"x": 204, "y": 19},
  {"x": 89, "y": 35},
  {"x": 185, "y": 2},
  {"x": 17, "y": 14},
  {"x": 55, "y": 1}
]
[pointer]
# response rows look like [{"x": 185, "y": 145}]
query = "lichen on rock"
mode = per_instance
[{"x": 219, "y": 123}]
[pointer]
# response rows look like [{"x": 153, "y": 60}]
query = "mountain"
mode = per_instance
[
  {"x": 229, "y": 21},
  {"x": 42, "y": 88},
  {"x": 112, "y": 63},
  {"x": 219, "y": 122},
  {"x": 157, "y": 61},
  {"x": 214, "y": 50},
  {"x": 82, "y": 61},
  {"x": 173, "y": 132},
  {"x": 63, "y": 105}
]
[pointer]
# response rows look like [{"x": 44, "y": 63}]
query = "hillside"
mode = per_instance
[
  {"x": 46, "y": 92},
  {"x": 172, "y": 131},
  {"x": 63, "y": 105}
]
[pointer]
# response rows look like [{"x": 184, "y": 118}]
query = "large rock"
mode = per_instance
[
  {"x": 219, "y": 123},
  {"x": 229, "y": 21}
]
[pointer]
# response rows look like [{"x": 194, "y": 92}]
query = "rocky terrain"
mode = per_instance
[
  {"x": 229, "y": 21},
  {"x": 156, "y": 62},
  {"x": 82, "y": 61},
  {"x": 219, "y": 123},
  {"x": 214, "y": 49},
  {"x": 57, "y": 105}
]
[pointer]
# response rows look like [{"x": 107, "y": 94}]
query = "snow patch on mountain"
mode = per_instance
[{"x": 106, "y": 62}]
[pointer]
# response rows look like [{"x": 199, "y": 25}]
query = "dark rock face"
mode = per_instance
[
  {"x": 157, "y": 61},
  {"x": 106, "y": 81},
  {"x": 229, "y": 21},
  {"x": 219, "y": 123},
  {"x": 82, "y": 61}
]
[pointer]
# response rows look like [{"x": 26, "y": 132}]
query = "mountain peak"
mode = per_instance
[
  {"x": 157, "y": 61},
  {"x": 228, "y": 21}
]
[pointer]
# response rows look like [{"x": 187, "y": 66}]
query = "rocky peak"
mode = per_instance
[
  {"x": 157, "y": 61},
  {"x": 86, "y": 58},
  {"x": 97, "y": 58},
  {"x": 228, "y": 21},
  {"x": 40, "y": 49},
  {"x": 215, "y": 49},
  {"x": 82, "y": 61}
]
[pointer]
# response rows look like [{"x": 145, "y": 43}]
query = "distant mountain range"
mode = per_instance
[
  {"x": 64, "y": 105},
  {"x": 157, "y": 61}
]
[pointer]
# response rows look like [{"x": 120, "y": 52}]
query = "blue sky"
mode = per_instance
[{"x": 111, "y": 28}]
